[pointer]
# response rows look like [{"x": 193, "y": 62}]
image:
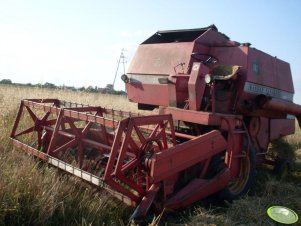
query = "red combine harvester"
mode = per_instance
[{"x": 218, "y": 104}]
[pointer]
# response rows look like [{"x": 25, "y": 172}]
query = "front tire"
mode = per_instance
[{"x": 241, "y": 186}]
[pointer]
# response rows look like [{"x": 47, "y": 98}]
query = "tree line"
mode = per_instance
[{"x": 109, "y": 89}]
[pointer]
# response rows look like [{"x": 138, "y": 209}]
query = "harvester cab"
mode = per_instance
[{"x": 218, "y": 104}]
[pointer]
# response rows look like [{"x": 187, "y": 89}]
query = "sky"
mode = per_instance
[{"x": 78, "y": 43}]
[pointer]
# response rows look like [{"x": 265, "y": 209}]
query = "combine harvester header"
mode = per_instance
[{"x": 220, "y": 103}]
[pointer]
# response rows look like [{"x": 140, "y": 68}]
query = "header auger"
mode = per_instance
[{"x": 220, "y": 103}]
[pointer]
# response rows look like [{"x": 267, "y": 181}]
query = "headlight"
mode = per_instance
[{"x": 208, "y": 78}]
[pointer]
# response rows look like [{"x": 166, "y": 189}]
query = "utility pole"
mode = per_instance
[{"x": 121, "y": 60}]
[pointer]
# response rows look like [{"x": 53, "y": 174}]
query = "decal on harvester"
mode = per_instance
[
  {"x": 268, "y": 91},
  {"x": 196, "y": 67},
  {"x": 255, "y": 67}
]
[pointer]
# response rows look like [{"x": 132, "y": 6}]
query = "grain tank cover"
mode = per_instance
[{"x": 185, "y": 35}]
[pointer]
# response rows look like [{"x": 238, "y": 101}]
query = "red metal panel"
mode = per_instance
[
  {"x": 198, "y": 189},
  {"x": 182, "y": 156},
  {"x": 190, "y": 116},
  {"x": 200, "y": 117},
  {"x": 269, "y": 71},
  {"x": 156, "y": 94},
  {"x": 231, "y": 56},
  {"x": 160, "y": 58},
  {"x": 196, "y": 85},
  {"x": 281, "y": 127},
  {"x": 146, "y": 202}
]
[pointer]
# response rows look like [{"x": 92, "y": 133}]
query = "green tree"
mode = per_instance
[
  {"x": 6, "y": 81},
  {"x": 91, "y": 89},
  {"x": 81, "y": 89},
  {"x": 49, "y": 85}
]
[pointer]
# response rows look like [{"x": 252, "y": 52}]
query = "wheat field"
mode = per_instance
[{"x": 33, "y": 193}]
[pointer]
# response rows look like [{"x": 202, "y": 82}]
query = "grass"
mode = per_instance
[{"x": 32, "y": 193}]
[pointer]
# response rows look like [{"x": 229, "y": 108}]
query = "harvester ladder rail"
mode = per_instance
[{"x": 232, "y": 132}]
